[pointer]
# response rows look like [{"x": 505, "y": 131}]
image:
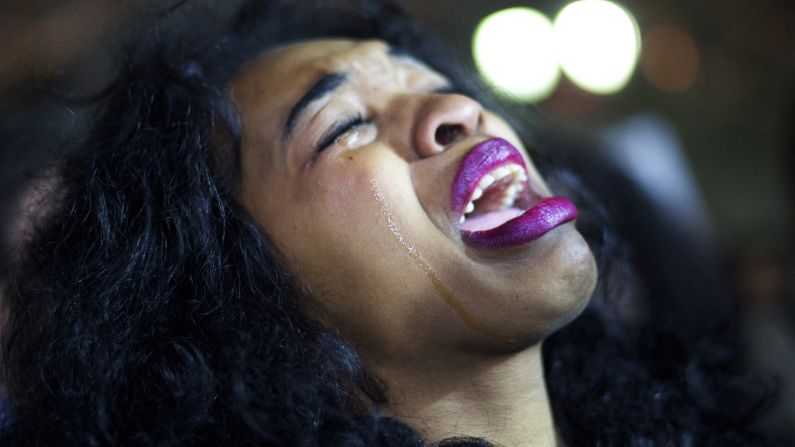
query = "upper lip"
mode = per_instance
[{"x": 479, "y": 161}]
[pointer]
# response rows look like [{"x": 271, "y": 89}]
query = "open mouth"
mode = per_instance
[
  {"x": 495, "y": 202},
  {"x": 500, "y": 195}
]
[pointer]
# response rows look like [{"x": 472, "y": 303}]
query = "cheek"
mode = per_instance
[
  {"x": 334, "y": 204},
  {"x": 336, "y": 201},
  {"x": 364, "y": 281},
  {"x": 336, "y": 234},
  {"x": 495, "y": 125}
]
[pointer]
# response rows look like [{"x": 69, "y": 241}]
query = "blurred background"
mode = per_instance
[{"x": 694, "y": 100}]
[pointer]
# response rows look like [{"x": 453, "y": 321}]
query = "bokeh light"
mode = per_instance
[
  {"x": 598, "y": 44},
  {"x": 670, "y": 59},
  {"x": 514, "y": 52}
]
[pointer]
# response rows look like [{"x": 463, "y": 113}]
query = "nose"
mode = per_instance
[{"x": 445, "y": 119}]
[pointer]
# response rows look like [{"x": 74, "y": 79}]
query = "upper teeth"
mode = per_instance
[{"x": 518, "y": 179}]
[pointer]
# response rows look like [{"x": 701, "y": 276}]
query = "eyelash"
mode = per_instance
[{"x": 340, "y": 130}]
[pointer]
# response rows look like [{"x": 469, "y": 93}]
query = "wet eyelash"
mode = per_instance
[{"x": 339, "y": 130}]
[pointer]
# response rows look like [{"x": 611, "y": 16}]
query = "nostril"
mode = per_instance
[{"x": 448, "y": 133}]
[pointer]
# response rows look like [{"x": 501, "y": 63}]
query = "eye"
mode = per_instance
[{"x": 338, "y": 131}]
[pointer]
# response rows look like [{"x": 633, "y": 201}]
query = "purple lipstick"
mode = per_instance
[{"x": 495, "y": 203}]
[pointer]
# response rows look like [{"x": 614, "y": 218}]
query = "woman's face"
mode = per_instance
[{"x": 349, "y": 159}]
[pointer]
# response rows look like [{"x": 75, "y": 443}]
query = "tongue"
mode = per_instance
[{"x": 487, "y": 221}]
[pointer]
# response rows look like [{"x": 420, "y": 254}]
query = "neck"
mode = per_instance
[{"x": 504, "y": 401}]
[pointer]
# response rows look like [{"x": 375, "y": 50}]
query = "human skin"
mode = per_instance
[{"x": 454, "y": 331}]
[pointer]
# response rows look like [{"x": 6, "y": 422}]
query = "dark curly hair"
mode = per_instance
[{"x": 150, "y": 309}]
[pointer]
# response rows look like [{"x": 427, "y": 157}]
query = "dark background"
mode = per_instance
[{"x": 735, "y": 122}]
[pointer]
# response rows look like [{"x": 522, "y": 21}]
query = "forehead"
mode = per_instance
[
  {"x": 294, "y": 63},
  {"x": 280, "y": 74},
  {"x": 285, "y": 71}
]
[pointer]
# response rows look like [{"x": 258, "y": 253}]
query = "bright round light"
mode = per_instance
[
  {"x": 513, "y": 51},
  {"x": 598, "y": 45}
]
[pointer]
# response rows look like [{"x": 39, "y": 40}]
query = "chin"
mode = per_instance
[
  {"x": 558, "y": 287},
  {"x": 576, "y": 277}
]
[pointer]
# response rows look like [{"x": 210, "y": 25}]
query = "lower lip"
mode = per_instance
[{"x": 539, "y": 220}]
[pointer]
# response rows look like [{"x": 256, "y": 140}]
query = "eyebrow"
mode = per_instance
[{"x": 323, "y": 86}]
